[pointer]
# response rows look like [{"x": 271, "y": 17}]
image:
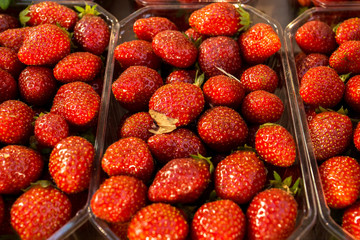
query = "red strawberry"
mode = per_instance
[
  {"x": 260, "y": 107},
  {"x": 348, "y": 30},
  {"x": 13, "y": 38},
  {"x": 16, "y": 161},
  {"x": 309, "y": 61},
  {"x": 240, "y": 176},
  {"x": 352, "y": 90},
  {"x": 37, "y": 85},
  {"x": 275, "y": 145},
  {"x": 340, "y": 178},
  {"x": 15, "y": 122},
  {"x": 316, "y": 37},
  {"x": 356, "y": 137},
  {"x": 7, "y": 22},
  {"x": 40, "y": 49},
  {"x": 8, "y": 86},
  {"x": 259, "y": 77},
  {"x": 136, "y": 125},
  {"x": 222, "y": 129},
  {"x": 118, "y": 198},
  {"x": 221, "y": 219},
  {"x": 135, "y": 86},
  {"x": 194, "y": 35},
  {"x": 10, "y": 62},
  {"x": 345, "y": 58},
  {"x": 350, "y": 219},
  {"x": 128, "y": 156},
  {"x": 158, "y": 220},
  {"x": 258, "y": 43},
  {"x": 181, "y": 75},
  {"x": 219, "y": 52},
  {"x": 147, "y": 28},
  {"x": 221, "y": 18},
  {"x": 70, "y": 164},
  {"x": 39, "y": 212},
  {"x": 78, "y": 66},
  {"x": 331, "y": 134}
]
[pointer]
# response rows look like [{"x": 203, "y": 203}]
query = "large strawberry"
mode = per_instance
[
  {"x": 345, "y": 58},
  {"x": 136, "y": 125},
  {"x": 9, "y": 61},
  {"x": 350, "y": 218},
  {"x": 352, "y": 93},
  {"x": 8, "y": 86},
  {"x": 259, "y": 77},
  {"x": 147, "y": 28},
  {"x": 348, "y": 30}
]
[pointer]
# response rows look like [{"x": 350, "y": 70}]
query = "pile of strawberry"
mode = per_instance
[
  {"x": 200, "y": 140},
  {"x": 328, "y": 69},
  {"x": 51, "y": 76}
]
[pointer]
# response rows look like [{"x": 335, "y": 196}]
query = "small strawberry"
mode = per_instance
[
  {"x": 181, "y": 75},
  {"x": 118, "y": 198},
  {"x": 70, "y": 164},
  {"x": 147, "y": 28},
  {"x": 39, "y": 212},
  {"x": 356, "y": 137},
  {"x": 13, "y": 38},
  {"x": 194, "y": 35},
  {"x": 348, "y": 30},
  {"x": 158, "y": 220},
  {"x": 350, "y": 219},
  {"x": 222, "y": 129},
  {"x": 259, "y": 77},
  {"x": 7, "y": 22},
  {"x": 258, "y": 43},
  {"x": 8, "y": 86},
  {"x": 221, "y": 219},
  {"x": 352, "y": 90},
  {"x": 136, "y": 125},
  {"x": 345, "y": 59},
  {"x": 10, "y": 62},
  {"x": 240, "y": 176},
  {"x": 309, "y": 61},
  {"x": 340, "y": 178},
  {"x": 128, "y": 156},
  {"x": 16, "y": 161}
]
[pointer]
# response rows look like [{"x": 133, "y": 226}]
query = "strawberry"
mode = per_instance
[
  {"x": 91, "y": 32},
  {"x": 345, "y": 58},
  {"x": 147, "y": 28},
  {"x": 7, "y": 22},
  {"x": 221, "y": 219},
  {"x": 258, "y": 43},
  {"x": 40, "y": 49},
  {"x": 356, "y": 137},
  {"x": 39, "y": 212},
  {"x": 8, "y": 86},
  {"x": 135, "y": 86},
  {"x": 15, "y": 122},
  {"x": 174, "y": 48},
  {"x": 219, "y": 52},
  {"x": 223, "y": 90},
  {"x": 340, "y": 178},
  {"x": 348, "y": 30},
  {"x": 70, "y": 164},
  {"x": 222, "y": 128},
  {"x": 221, "y": 18},
  {"x": 136, "y": 125},
  {"x": 120, "y": 229},
  {"x": 48, "y": 12},
  {"x": 259, "y": 77},
  {"x": 128, "y": 156},
  {"x": 158, "y": 220},
  {"x": 260, "y": 107},
  {"x": 275, "y": 145},
  {"x": 351, "y": 95},
  {"x": 13, "y": 38},
  {"x": 194, "y": 35},
  {"x": 17, "y": 160},
  {"x": 37, "y": 85},
  {"x": 136, "y": 53},
  {"x": 309, "y": 61},
  {"x": 118, "y": 198},
  {"x": 315, "y": 37},
  {"x": 239, "y": 176},
  {"x": 78, "y": 103},
  {"x": 10, "y": 62},
  {"x": 78, "y": 66},
  {"x": 181, "y": 75},
  {"x": 349, "y": 219},
  {"x": 330, "y": 133},
  {"x": 180, "y": 143}
]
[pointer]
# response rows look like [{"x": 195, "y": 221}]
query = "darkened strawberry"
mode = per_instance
[
  {"x": 348, "y": 30},
  {"x": 135, "y": 86},
  {"x": 39, "y": 212},
  {"x": 219, "y": 52},
  {"x": 181, "y": 75},
  {"x": 221, "y": 18},
  {"x": 158, "y": 220},
  {"x": 147, "y": 28},
  {"x": 91, "y": 32},
  {"x": 309, "y": 61},
  {"x": 8, "y": 86},
  {"x": 194, "y": 35},
  {"x": 174, "y": 48},
  {"x": 356, "y": 137},
  {"x": 37, "y": 85},
  {"x": 345, "y": 59},
  {"x": 258, "y": 43},
  {"x": 70, "y": 164},
  {"x": 136, "y": 125},
  {"x": 340, "y": 178},
  {"x": 181, "y": 143},
  {"x": 17, "y": 160},
  {"x": 118, "y": 198},
  {"x": 48, "y": 12},
  {"x": 331, "y": 134},
  {"x": 240, "y": 176},
  {"x": 7, "y": 22},
  {"x": 221, "y": 219},
  {"x": 40, "y": 49},
  {"x": 16, "y": 119},
  {"x": 78, "y": 66},
  {"x": 222, "y": 129},
  {"x": 120, "y": 229},
  {"x": 10, "y": 62},
  {"x": 260, "y": 107},
  {"x": 350, "y": 219},
  {"x": 316, "y": 37},
  {"x": 128, "y": 156},
  {"x": 259, "y": 77},
  {"x": 13, "y": 38},
  {"x": 352, "y": 93},
  {"x": 275, "y": 145}
]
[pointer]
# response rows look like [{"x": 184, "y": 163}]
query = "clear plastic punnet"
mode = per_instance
[{"x": 286, "y": 91}]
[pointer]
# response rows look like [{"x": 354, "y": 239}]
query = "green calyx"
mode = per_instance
[
  {"x": 207, "y": 159},
  {"x": 199, "y": 79},
  {"x": 91, "y": 10},
  {"x": 23, "y": 16},
  {"x": 285, "y": 184},
  {"x": 4, "y": 4},
  {"x": 41, "y": 183},
  {"x": 244, "y": 19}
]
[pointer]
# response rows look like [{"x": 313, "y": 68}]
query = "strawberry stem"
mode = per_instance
[
  {"x": 207, "y": 159},
  {"x": 286, "y": 184},
  {"x": 23, "y": 16},
  {"x": 87, "y": 10},
  {"x": 244, "y": 19}
]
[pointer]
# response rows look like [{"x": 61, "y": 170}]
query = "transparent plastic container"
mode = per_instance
[
  {"x": 332, "y": 3},
  {"x": 180, "y": 13},
  {"x": 68, "y": 231},
  {"x": 327, "y": 227}
]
